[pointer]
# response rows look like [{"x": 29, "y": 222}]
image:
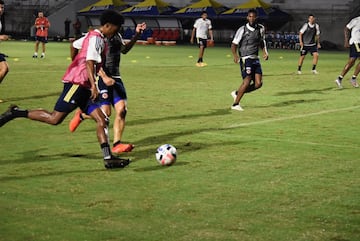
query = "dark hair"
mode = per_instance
[
  {"x": 252, "y": 10},
  {"x": 203, "y": 12},
  {"x": 112, "y": 17},
  {"x": 311, "y": 15},
  {"x": 2, "y": 2}
]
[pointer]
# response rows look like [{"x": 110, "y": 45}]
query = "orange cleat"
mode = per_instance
[
  {"x": 75, "y": 121},
  {"x": 119, "y": 148}
]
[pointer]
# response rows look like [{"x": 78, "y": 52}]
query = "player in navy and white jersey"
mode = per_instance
[
  {"x": 352, "y": 41},
  {"x": 111, "y": 88},
  {"x": 202, "y": 28},
  {"x": 309, "y": 37},
  {"x": 4, "y": 68},
  {"x": 247, "y": 41}
]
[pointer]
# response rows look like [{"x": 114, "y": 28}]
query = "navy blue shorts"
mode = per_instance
[
  {"x": 2, "y": 57},
  {"x": 250, "y": 67},
  {"x": 312, "y": 49},
  {"x": 110, "y": 95},
  {"x": 42, "y": 39},
  {"x": 354, "y": 51},
  {"x": 74, "y": 96},
  {"x": 202, "y": 42}
]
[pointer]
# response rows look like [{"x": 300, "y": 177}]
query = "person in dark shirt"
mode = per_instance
[{"x": 247, "y": 41}]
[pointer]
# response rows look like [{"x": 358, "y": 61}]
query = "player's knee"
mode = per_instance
[
  {"x": 258, "y": 85},
  {"x": 122, "y": 113}
]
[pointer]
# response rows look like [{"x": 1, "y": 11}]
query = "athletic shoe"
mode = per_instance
[
  {"x": 354, "y": 83},
  {"x": 8, "y": 115},
  {"x": 75, "y": 121},
  {"x": 1, "y": 101},
  {"x": 299, "y": 72},
  {"x": 42, "y": 55},
  {"x": 338, "y": 83},
  {"x": 237, "y": 107},
  {"x": 119, "y": 148},
  {"x": 198, "y": 65},
  {"x": 314, "y": 71},
  {"x": 116, "y": 162},
  {"x": 34, "y": 56},
  {"x": 203, "y": 64},
  {"x": 233, "y": 94}
]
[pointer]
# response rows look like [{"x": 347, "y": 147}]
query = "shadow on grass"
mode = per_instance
[
  {"x": 303, "y": 92},
  {"x": 14, "y": 99},
  {"x": 215, "y": 112},
  {"x": 288, "y": 103}
]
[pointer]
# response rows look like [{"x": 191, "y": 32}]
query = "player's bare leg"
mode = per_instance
[
  {"x": 315, "y": 61},
  {"x": 52, "y": 118},
  {"x": 36, "y": 49},
  {"x": 300, "y": 63},
  {"x": 201, "y": 55},
  {"x": 119, "y": 127},
  {"x": 4, "y": 69},
  {"x": 353, "y": 81},
  {"x": 345, "y": 70},
  {"x": 240, "y": 93},
  {"x": 43, "y": 50}
]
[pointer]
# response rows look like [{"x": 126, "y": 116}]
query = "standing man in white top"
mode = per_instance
[
  {"x": 202, "y": 27},
  {"x": 353, "y": 43},
  {"x": 309, "y": 37},
  {"x": 4, "y": 68}
]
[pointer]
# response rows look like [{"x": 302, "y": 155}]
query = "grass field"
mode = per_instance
[{"x": 287, "y": 168}]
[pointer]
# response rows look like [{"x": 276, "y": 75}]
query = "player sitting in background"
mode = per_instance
[{"x": 112, "y": 95}]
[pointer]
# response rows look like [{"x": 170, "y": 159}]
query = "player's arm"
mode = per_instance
[
  {"x": 235, "y": 44},
  {"x": 75, "y": 47},
  {"x": 317, "y": 36},
  {"x": 192, "y": 35},
  {"x": 234, "y": 51},
  {"x": 91, "y": 71},
  {"x": 211, "y": 34},
  {"x": 138, "y": 31},
  {"x": 263, "y": 45},
  {"x": 301, "y": 32},
  {"x": 47, "y": 24},
  {"x": 106, "y": 79},
  {"x": 346, "y": 37}
]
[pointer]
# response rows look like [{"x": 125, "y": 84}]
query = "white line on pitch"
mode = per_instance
[{"x": 292, "y": 117}]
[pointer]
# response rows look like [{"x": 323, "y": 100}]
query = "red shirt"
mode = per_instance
[{"x": 42, "y": 25}]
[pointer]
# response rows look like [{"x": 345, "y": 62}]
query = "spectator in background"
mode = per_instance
[
  {"x": 42, "y": 26},
  {"x": 77, "y": 28},
  {"x": 67, "y": 28},
  {"x": 4, "y": 68}
]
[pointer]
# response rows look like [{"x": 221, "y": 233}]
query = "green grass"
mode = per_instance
[{"x": 287, "y": 168}]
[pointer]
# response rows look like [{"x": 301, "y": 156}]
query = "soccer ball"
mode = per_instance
[{"x": 166, "y": 155}]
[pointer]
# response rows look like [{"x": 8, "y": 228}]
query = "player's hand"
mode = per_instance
[
  {"x": 108, "y": 81},
  {"x": 319, "y": 46},
  {"x": 236, "y": 59},
  {"x": 347, "y": 45},
  {"x": 94, "y": 93},
  {"x": 265, "y": 56},
  {"x": 140, "y": 27},
  {"x": 192, "y": 41}
]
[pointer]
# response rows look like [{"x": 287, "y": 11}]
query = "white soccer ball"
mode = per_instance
[{"x": 166, "y": 155}]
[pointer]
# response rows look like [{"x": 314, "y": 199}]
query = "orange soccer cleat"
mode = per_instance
[
  {"x": 75, "y": 121},
  {"x": 119, "y": 148}
]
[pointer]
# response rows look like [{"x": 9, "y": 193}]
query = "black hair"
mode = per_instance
[
  {"x": 2, "y": 2},
  {"x": 112, "y": 17},
  {"x": 311, "y": 15},
  {"x": 203, "y": 12},
  {"x": 252, "y": 10}
]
